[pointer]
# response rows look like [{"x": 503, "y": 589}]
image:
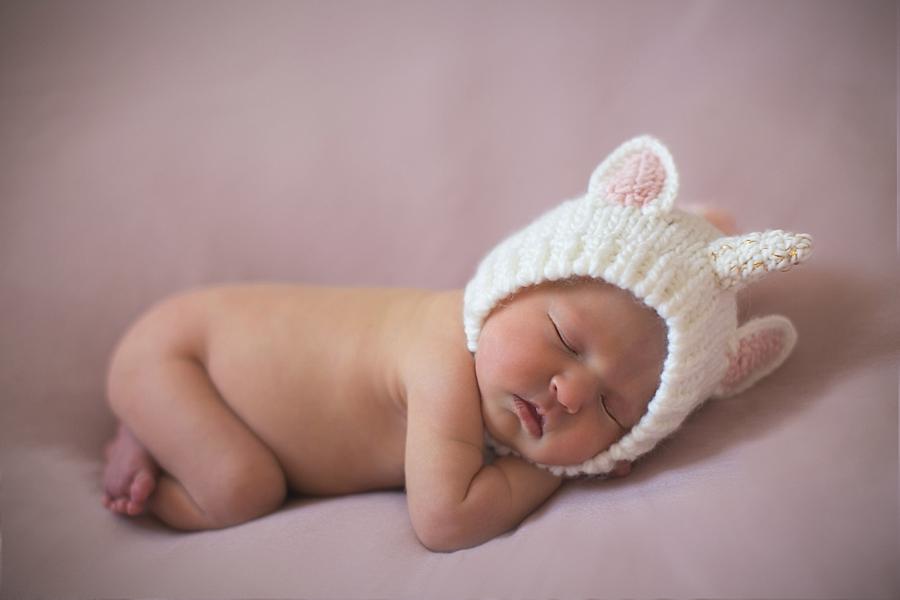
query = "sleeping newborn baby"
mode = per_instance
[{"x": 581, "y": 342}]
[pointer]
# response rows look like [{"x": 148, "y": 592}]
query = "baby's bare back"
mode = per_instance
[{"x": 313, "y": 372}]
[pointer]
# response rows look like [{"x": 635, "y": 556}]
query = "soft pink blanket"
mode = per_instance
[{"x": 147, "y": 147}]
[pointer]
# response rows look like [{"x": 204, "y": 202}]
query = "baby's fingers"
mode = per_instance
[{"x": 622, "y": 468}]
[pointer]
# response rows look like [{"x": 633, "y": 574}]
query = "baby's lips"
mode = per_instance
[{"x": 530, "y": 418}]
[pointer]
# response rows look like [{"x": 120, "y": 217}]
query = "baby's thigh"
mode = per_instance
[
  {"x": 159, "y": 382},
  {"x": 160, "y": 387}
]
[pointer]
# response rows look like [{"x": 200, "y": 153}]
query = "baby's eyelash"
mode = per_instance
[{"x": 560, "y": 336}]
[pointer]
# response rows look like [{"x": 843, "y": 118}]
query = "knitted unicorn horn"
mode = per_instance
[{"x": 742, "y": 259}]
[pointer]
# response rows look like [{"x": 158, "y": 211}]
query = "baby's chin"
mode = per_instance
[{"x": 547, "y": 450}]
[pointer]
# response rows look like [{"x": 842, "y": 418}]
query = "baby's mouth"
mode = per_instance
[{"x": 530, "y": 417}]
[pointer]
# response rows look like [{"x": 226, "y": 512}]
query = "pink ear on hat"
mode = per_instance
[
  {"x": 639, "y": 173},
  {"x": 759, "y": 347},
  {"x": 638, "y": 181}
]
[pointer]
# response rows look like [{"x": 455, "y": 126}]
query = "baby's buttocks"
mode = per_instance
[{"x": 311, "y": 372}]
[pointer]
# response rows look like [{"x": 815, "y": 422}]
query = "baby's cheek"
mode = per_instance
[
  {"x": 486, "y": 366},
  {"x": 588, "y": 445},
  {"x": 499, "y": 362}
]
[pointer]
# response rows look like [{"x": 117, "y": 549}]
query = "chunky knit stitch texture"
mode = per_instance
[{"x": 627, "y": 232}]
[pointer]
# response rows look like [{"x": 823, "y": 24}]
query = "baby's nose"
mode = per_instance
[{"x": 570, "y": 393}]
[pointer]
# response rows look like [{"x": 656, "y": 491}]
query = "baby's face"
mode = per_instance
[{"x": 566, "y": 369}]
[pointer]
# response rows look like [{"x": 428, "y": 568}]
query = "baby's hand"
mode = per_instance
[{"x": 622, "y": 468}]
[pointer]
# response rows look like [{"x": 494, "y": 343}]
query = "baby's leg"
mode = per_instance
[{"x": 215, "y": 471}]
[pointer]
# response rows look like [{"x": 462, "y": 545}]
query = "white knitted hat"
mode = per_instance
[{"x": 626, "y": 231}]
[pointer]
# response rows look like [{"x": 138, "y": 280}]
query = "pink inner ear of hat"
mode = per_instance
[
  {"x": 753, "y": 352},
  {"x": 638, "y": 181}
]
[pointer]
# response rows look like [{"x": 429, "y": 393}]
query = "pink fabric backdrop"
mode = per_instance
[{"x": 148, "y": 147}]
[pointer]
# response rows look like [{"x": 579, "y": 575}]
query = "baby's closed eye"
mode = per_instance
[
  {"x": 562, "y": 337},
  {"x": 609, "y": 413}
]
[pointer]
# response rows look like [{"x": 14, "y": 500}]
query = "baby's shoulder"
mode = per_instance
[{"x": 436, "y": 360}]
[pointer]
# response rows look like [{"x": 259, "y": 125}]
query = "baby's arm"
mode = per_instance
[{"x": 455, "y": 500}]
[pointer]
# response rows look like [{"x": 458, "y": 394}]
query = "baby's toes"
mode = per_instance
[
  {"x": 113, "y": 503},
  {"x": 141, "y": 488},
  {"x": 133, "y": 509}
]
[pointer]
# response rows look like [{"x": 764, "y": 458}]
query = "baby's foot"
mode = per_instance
[
  {"x": 129, "y": 477},
  {"x": 722, "y": 219}
]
